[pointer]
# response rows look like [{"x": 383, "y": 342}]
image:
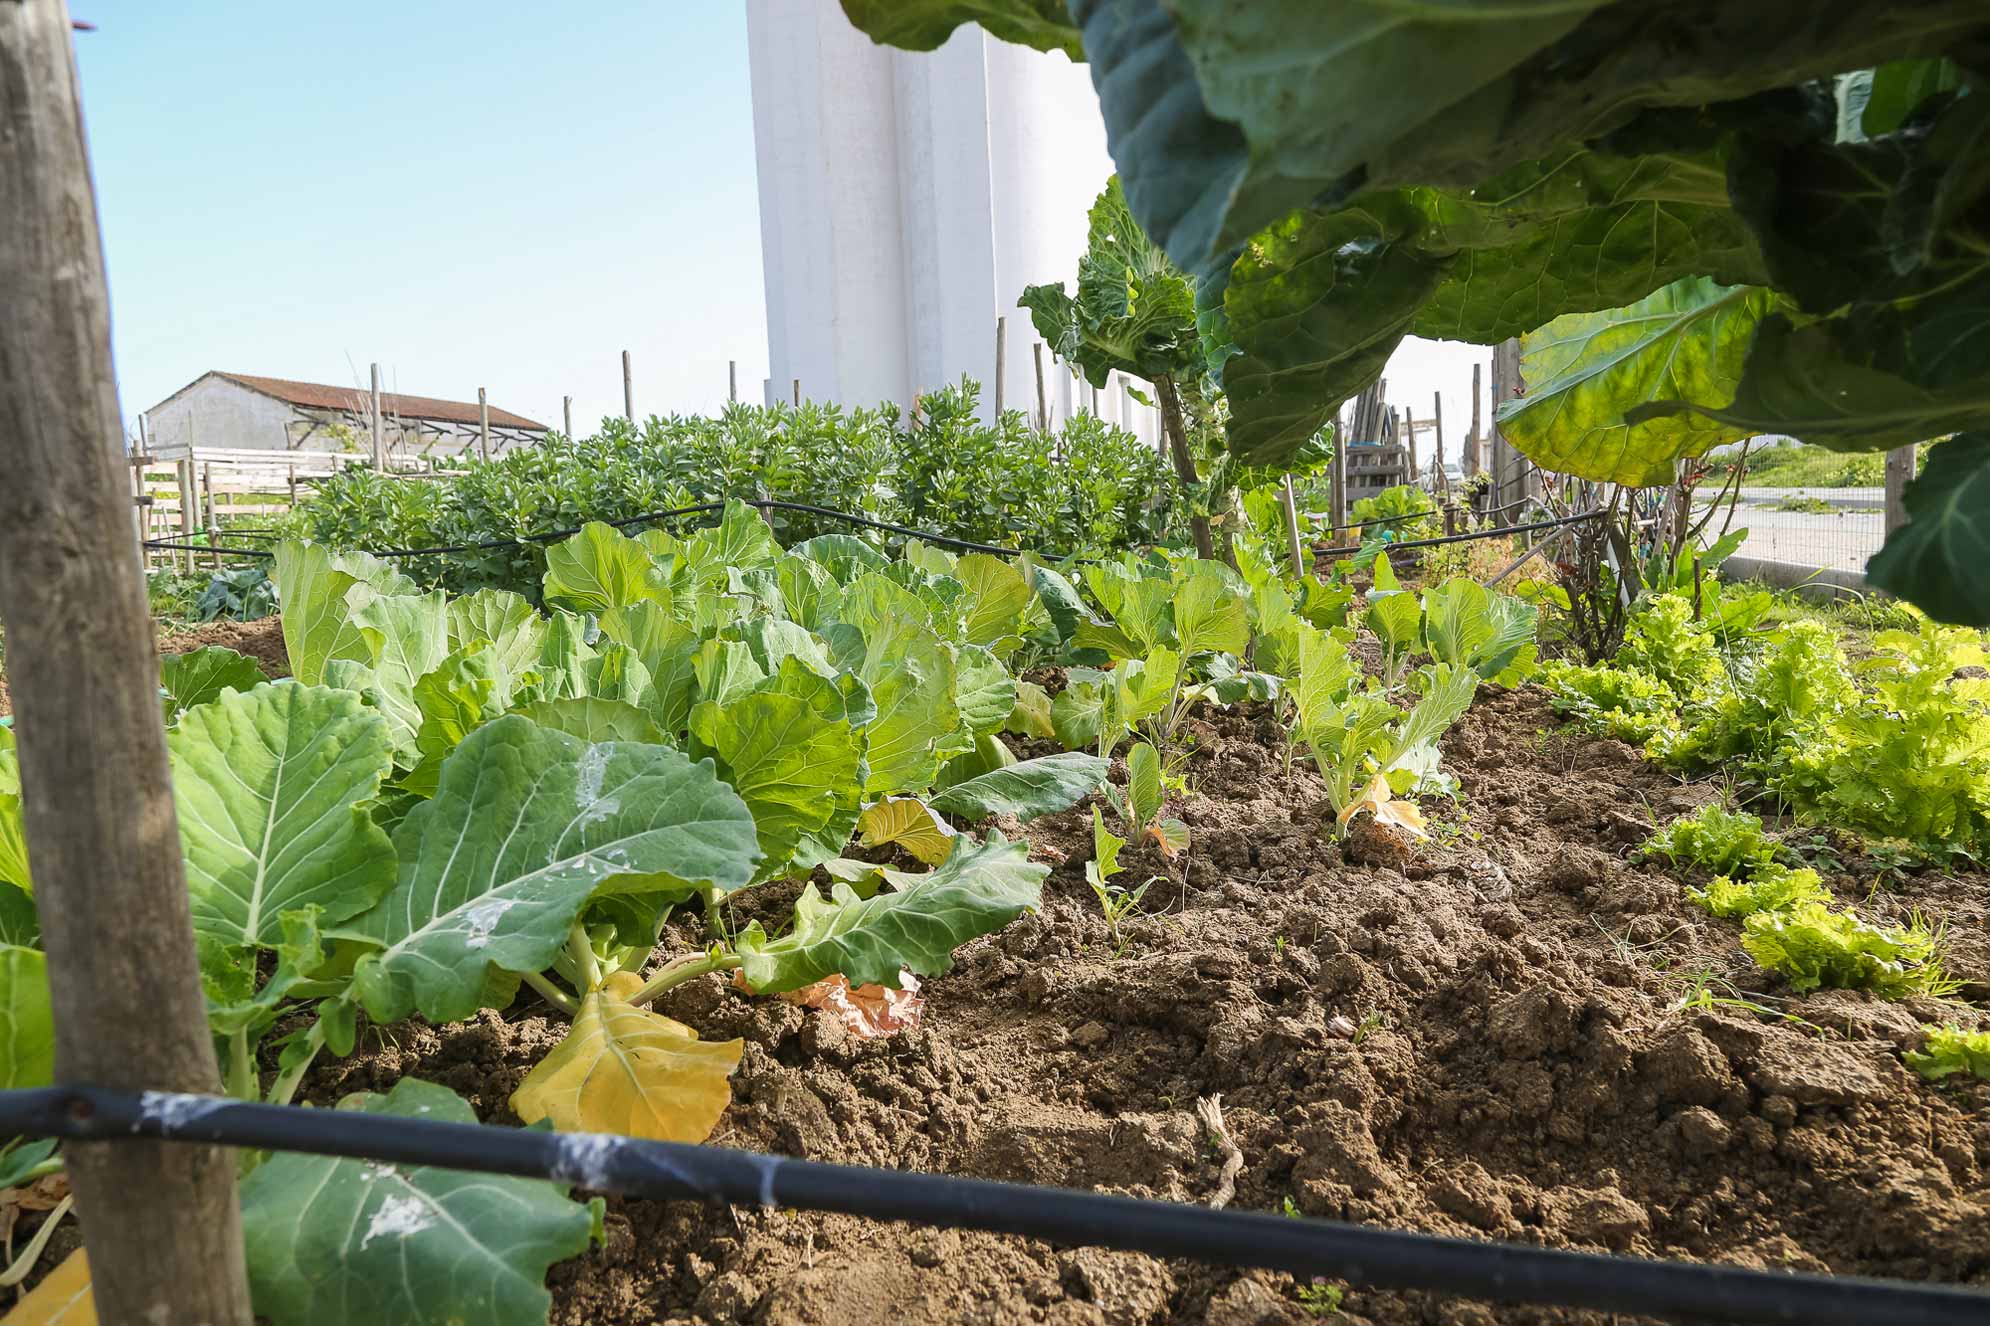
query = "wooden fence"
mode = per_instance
[{"x": 184, "y": 492}]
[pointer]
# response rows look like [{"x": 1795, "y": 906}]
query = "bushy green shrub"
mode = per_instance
[{"x": 1087, "y": 489}]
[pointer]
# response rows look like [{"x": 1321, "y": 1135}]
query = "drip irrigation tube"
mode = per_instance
[
  {"x": 648, "y": 517},
  {"x": 1462, "y": 538},
  {"x": 1375, "y": 1258}
]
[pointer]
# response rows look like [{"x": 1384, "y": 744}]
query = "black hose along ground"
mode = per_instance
[
  {"x": 766, "y": 504},
  {"x": 1372, "y": 1258}
]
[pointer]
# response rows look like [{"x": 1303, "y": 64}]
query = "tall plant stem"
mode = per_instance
[
  {"x": 587, "y": 969},
  {"x": 1176, "y": 429}
]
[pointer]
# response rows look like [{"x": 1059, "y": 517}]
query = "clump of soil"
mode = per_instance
[{"x": 1498, "y": 1039}]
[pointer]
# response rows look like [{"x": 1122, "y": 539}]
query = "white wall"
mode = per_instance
[
  {"x": 906, "y": 199},
  {"x": 215, "y": 412}
]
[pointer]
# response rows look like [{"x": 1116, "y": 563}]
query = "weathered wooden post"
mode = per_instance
[
  {"x": 1471, "y": 456},
  {"x": 210, "y": 515},
  {"x": 628, "y": 389},
  {"x": 1443, "y": 483},
  {"x": 1899, "y": 473},
  {"x": 1287, "y": 500},
  {"x": 183, "y": 471},
  {"x": 1001, "y": 364},
  {"x": 379, "y": 437},
  {"x": 567, "y": 416},
  {"x": 1337, "y": 484},
  {"x": 161, "y": 1220},
  {"x": 732, "y": 380},
  {"x": 1042, "y": 398},
  {"x": 798, "y": 393},
  {"x": 483, "y": 425}
]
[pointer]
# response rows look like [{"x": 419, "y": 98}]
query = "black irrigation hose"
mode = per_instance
[
  {"x": 1375, "y": 1258},
  {"x": 1461, "y": 538},
  {"x": 648, "y": 517},
  {"x": 167, "y": 545}
]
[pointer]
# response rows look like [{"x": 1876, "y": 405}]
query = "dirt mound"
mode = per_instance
[
  {"x": 261, "y": 640},
  {"x": 1503, "y": 1039}
]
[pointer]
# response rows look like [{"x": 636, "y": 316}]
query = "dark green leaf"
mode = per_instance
[{"x": 1938, "y": 560}]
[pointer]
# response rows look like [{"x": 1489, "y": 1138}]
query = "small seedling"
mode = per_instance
[
  {"x": 1320, "y": 1299},
  {"x": 1116, "y": 902}
]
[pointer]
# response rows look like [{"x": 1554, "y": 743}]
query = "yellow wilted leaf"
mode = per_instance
[
  {"x": 61, "y": 1299},
  {"x": 910, "y": 823},
  {"x": 1379, "y": 801},
  {"x": 624, "y": 1069}
]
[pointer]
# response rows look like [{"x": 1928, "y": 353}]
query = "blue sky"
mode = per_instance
[
  {"x": 493, "y": 194},
  {"x": 490, "y": 194}
]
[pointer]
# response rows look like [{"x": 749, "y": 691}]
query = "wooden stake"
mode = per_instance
[
  {"x": 567, "y": 413},
  {"x": 1001, "y": 364},
  {"x": 1471, "y": 457},
  {"x": 483, "y": 425},
  {"x": 1409, "y": 436},
  {"x": 1337, "y": 485},
  {"x": 1042, "y": 398},
  {"x": 1900, "y": 472},
  {"x": 1443, "y": 483},
  {"x": 183, "y": 471},
  {"x": 798, "y": 393},
  {"x": 211, "y": 519},
  {"x": 628, "y": 389},
  {"x": 379, "y": 441},
  {"x": 161, "y": 1220},
  {"x": 1287, "y": 500},
  {"x": 732, "y": 380}
]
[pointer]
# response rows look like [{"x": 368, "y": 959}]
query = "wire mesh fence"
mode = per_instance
[{"x": 1833, "y": 529}]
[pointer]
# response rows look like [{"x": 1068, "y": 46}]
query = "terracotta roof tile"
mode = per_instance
[{"x": 319, "y": 396}]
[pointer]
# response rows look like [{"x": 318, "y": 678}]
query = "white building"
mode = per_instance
[
  {"x": 907, "y": 198},
  {"x": 276, "y": 414}
]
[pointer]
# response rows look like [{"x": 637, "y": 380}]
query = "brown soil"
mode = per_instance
[
  {"x": 261, "y": 640},
  {"x": 1487, "y": 1042}
]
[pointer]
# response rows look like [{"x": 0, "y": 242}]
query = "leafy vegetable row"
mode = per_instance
[
  {"x": 1897, "y": 747},
  {"x": 454, "y": 799}
]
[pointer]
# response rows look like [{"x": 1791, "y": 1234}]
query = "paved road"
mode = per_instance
[{"x": 1842, "y": 539}]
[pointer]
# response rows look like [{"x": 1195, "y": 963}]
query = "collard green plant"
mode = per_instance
[
  {"x": 1133, "y": 312},
  {"x": 332, "y": 1241}
]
